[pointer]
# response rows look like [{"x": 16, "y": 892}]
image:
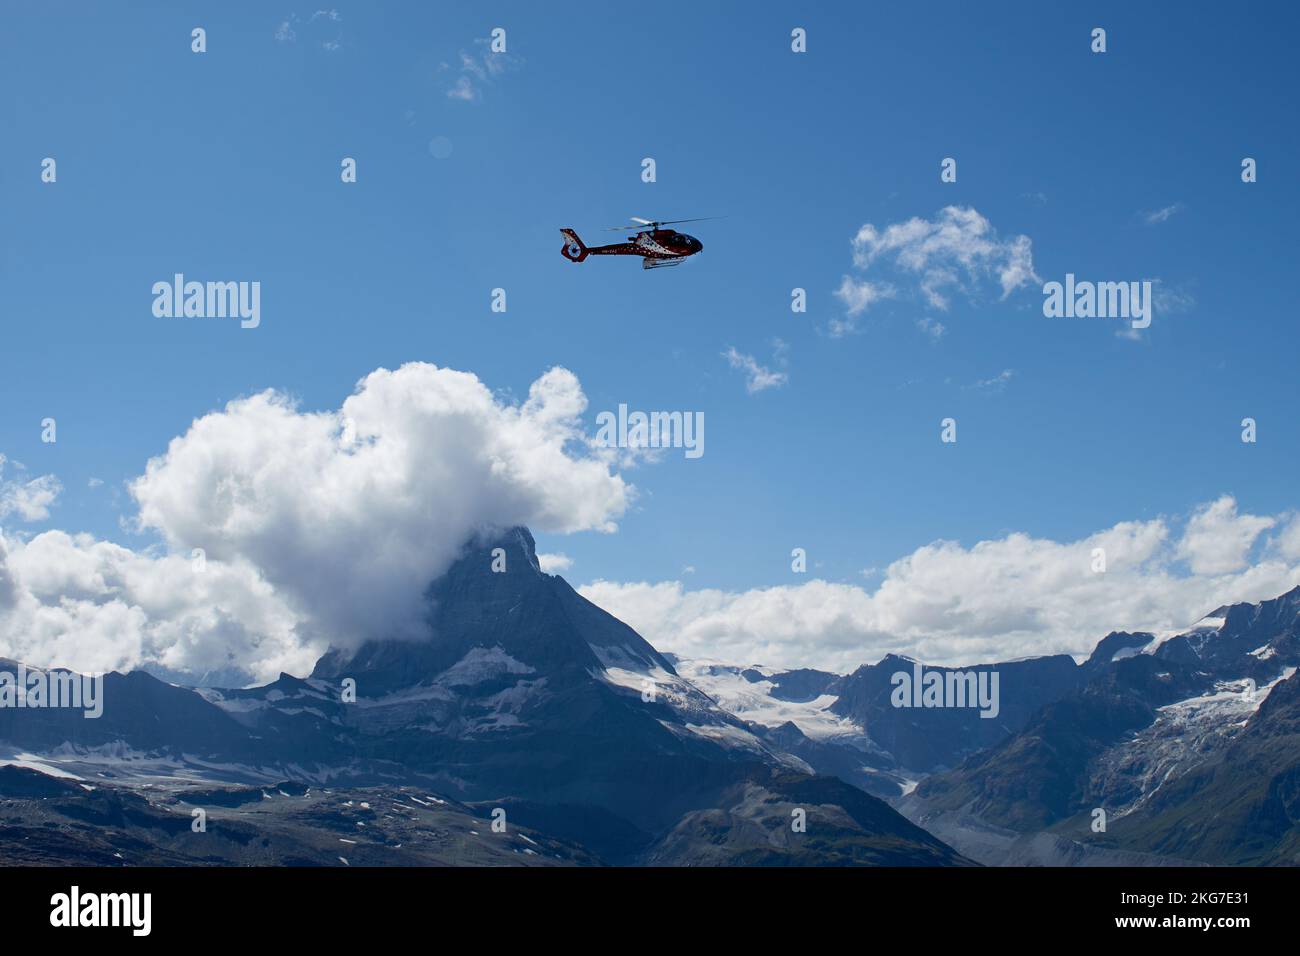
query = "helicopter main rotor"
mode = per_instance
[{"x": 652, "y": 224}]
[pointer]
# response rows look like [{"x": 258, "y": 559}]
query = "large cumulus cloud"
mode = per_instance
[
  {"x": 351, "y": 513},
  {"x": 72, "y": 600},
  {"x": 316, "y": 527}
]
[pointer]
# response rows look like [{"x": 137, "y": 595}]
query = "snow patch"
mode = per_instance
[
  {"x": 753, "y": 701},
  {"x": 481, "y": 664},
  {"x": 1205, "y": 626}
]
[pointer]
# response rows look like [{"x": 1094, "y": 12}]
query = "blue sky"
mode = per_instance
[{"x": 225, "y": 165}]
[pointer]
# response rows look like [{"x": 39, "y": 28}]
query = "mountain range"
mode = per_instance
[
  {"x": 530, "y": 726},
  {"x": 1186, "y": 742}
]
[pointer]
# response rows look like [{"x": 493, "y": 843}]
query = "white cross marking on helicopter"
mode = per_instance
[{"x": 647, "y": 242}]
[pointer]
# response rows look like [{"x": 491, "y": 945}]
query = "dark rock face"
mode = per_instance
[
  {"x": 1163, "y": 736},
  {"x": 1228, "y": 650},
  {"x": 928, "y": 739},
  {"x": 753, "y": 825},
  {"x": 1241, "y": 806},
  {"x": 22, "y": 783},
  {"x": 137, "y": 708},
  {"x": 511, "y": 696},
  {"x": 800, "y": 685},
  {"x": 1115, "y": 643},
  {"x": 1039, "y": 776},
  {"x": 533, "y": 617}
]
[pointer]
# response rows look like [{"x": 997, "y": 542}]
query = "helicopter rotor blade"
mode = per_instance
[
  {"x": 644, "y": 224},
  {"x": 656, "y": 223}
]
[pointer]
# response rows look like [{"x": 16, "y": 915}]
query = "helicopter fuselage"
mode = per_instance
[
  {"x": 652, "y": 244},
  {"x": 656, "y": 246}
]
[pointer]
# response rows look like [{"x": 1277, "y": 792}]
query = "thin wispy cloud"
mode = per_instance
[
  {"x": 997, "y": 383},
  {"x": 858, "y": 295},
  {"x": 27, "y": 499},
  {"x": 463, "y": 89},
  {"x": 758, "y": 377},
  {"x": 287, "y": 29},
  {"x": 479, "y": 70},
  {"x": 933, "y": 328},
  {"x": 1171, "y": 300},
  {"x": 1162, "y": 215},
  {"x": 1166, "y": 300}
]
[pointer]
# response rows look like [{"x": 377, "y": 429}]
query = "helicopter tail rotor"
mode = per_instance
[{"x": 573, "y": 249}]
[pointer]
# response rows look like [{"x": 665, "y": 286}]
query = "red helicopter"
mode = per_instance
[{"x": 657, "y": 247}]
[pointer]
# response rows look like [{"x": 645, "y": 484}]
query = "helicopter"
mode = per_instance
[{"x": 657, "y": 247}]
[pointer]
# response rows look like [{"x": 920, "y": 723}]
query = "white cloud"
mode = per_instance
[
  {"x": 478, "y": 70},
  {"x": 1166, "y": 300},
  {"x": 757, "y": 377},
  {"x": 318, "y": 527},
  {"x": 554, "y": 563},
  {"x": 1288, "y": 541},
  {"x": 1162, "y": 215},
  {"x": 74, "y": 601},
  {"x": 351, "y": 513},
  {"x": 1171, "y": 299},
  {"x": 932, "y": 328},
  {"x": 286, "y": 31},
  {"x": 956, "y": 250},
  {"x": 997, "y": 383},
  {"x": 858, "y": 295},
  {"x": 463, "y": 89},
  {"x": 1218, "y": 540},
  {"x": 1000, "y": 599},
  {"x": 31, "y": 499}
]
